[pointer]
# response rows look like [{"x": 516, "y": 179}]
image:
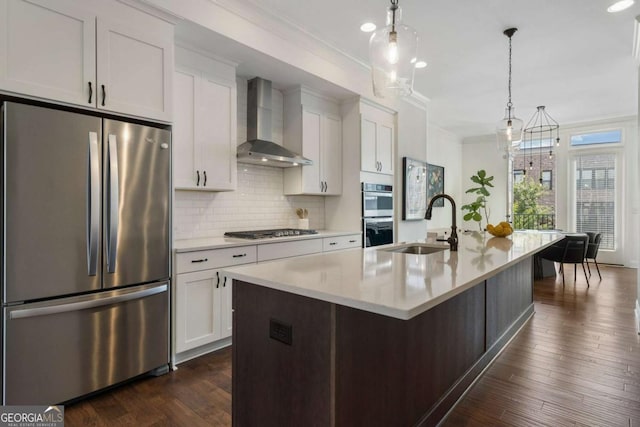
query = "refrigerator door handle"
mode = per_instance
[
  {"x": 113, "y": 209},
  {"x": 93, "y": 205},
  {"x": 83, "y": 305}
]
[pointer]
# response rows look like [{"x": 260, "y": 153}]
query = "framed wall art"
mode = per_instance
[
  {"x": 435, "y": 183},
  {"x": 414, "y": 183}
]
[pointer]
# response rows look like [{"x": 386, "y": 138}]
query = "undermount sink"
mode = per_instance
[{"x": 416, "y": 248}]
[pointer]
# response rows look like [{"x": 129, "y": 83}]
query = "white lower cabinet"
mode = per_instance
[
  {"x": 202, "y": 304},
  {"x": 198, "y": 321},
  {"x": 203, "y": 295},
  {"x": 341, "y": 242}
]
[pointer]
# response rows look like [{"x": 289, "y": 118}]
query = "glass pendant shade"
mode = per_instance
[
  {"x": 392, "y": 52},
  {"x": 509, "y": 131}
]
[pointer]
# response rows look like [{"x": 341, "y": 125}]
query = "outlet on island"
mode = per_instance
[{"x": 280, "y": 331}]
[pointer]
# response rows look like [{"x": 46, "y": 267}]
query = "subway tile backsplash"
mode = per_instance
[{"x": 258, "y": 203}]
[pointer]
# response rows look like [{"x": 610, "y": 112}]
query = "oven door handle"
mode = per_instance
[{"x": 377, "y": 194}]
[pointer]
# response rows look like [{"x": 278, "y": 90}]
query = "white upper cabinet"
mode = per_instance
[
  {"x": 204, "y": 129},
  {"x": 48, "y": 50},
  {"x": 313, "y": 128},
  {"x": 81, "y": 53},
  {"x": 134, "y": 69},
  {"x": 377, "y": 142}
]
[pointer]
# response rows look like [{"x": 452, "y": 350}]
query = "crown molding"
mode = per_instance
[
  {"x": 151, "y": 9},
  {"x": 417, "y": 100},
  {"x": 188, "y": 46},
  {"x": 259, "y": 15}
]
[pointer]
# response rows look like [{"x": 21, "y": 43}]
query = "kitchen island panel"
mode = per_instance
[
  {"x": 391, "y": 372},
  {"x": 509, "y": 294},
  {"x": 274, "y": 383}
]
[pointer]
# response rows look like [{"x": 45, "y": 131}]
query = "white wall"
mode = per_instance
[
  {"x": 482, "y": 153},
  {"x": 411, "y": 142},
  {"x": 445, "y": 149}
]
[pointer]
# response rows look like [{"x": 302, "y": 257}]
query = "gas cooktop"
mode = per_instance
[{"x": 265, "y": 234}]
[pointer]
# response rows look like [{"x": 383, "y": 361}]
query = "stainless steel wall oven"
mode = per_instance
[{"x": 377, "y": 214}]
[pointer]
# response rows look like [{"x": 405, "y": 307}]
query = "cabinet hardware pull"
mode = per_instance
[
  {"x": 239, "y": 255},
  {"x": 380, "y": 166},
  {"x": 352, "y": 241},
  {"x": 90, "y": 92},
  {"x": 205, "y": 178},
  {"x": 200, "y": 260},
  {"x": 198, "y": 180},
  {"x": 218, "y": 277},
  {"x": 104, "y": 94},
  {"x": 332, "y": 243},
  {"x": 325, "y": 186},
  {"x": 224, "y": 284}
]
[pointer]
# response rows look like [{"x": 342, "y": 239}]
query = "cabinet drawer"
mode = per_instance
[
  {"x": 341, "y": 242},
  {"x": 215, "y": 258},
  {"x": 289, "y": 249}
]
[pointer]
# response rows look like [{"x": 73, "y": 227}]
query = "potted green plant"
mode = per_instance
[{"x": 477, "y": 208}]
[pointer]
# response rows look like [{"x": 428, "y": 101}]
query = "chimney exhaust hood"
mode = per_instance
[{"x": 259, "y": 149}]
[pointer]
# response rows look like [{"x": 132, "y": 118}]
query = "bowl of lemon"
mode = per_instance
[{"x": 503, "y": 229}]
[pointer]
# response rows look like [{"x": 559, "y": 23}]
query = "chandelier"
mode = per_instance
[
  {"x": 509, "y": 129},
  {"x": 392, "y": 52},
  {"x": 542, "y": 132}
]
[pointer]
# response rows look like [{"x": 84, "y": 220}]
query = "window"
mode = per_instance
[
  {"x": 608, "y": 137},
  {"x": 595, "y": 196},
  {"x": 602, "y": 178},
  {"x": 518, "y": 175},
  {"x": 545, "y": 179}
]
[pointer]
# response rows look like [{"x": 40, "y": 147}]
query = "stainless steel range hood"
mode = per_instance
[{"x": 259, "y": 149}]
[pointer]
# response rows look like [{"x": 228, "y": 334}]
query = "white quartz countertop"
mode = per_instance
[
  {"x": 395, "y": 284},
  {"x": 190, "y": 245}
]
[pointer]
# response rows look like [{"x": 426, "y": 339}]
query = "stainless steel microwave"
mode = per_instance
[{"x": 377, "y": 200}]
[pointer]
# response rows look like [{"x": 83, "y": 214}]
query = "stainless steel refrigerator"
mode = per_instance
[{"x": 85, "y": 260}]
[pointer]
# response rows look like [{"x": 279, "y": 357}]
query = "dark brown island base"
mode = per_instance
[{"x": 306, "y": 361}]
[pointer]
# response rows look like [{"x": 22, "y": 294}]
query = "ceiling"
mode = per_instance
[{"x": 571, "y": 56}]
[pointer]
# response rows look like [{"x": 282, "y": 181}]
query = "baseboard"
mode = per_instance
[
  {"x": 638, "y": 316},
  {"x": 197, "y": 352}
]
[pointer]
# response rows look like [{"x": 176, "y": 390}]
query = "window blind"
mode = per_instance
[{"x": 595, "y": 196}]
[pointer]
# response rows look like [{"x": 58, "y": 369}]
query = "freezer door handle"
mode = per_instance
[
  {"x": 83, "y": 305},
  {"x": 113, "y": 208},
  {"x": 93, "y": 204}
]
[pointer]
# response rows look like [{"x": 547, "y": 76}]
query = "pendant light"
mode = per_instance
[
  {"x": 541, "y": 130},
  {"x": 392, "y": 51},
  {"x": 509, "y": 129}
]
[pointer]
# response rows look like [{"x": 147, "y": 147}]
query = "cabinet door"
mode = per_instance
[
  {"x": 311, "y": 135},
  {"x": 134, "y": 70},
  {"x": 198, "y": 318},
  {"x": 368, "y": 136},
  {"x": 226, "y": 311},
  {"x": 48, "y": 50},
  {"x": 184, "y": 148},
  {"x": 331, "y": 158},
  {"x": 216, "y": 133},
  {"x": 384, "y": 148}
]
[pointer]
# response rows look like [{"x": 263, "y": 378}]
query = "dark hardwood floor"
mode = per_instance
[{"x": 576, "y": 363}]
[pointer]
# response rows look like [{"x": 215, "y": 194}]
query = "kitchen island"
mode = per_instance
[{"x": 375, "y": 337}]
